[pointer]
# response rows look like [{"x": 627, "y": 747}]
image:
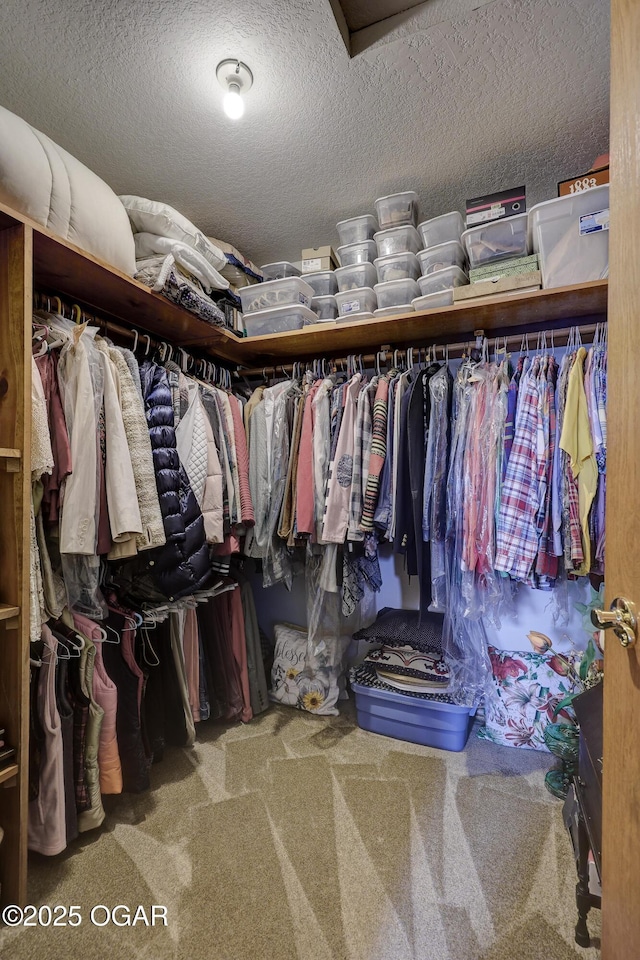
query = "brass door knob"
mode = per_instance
[{"x": 621, "y": 618}]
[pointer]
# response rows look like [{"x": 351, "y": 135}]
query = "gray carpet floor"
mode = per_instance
[{"x": 301, "y": 838}]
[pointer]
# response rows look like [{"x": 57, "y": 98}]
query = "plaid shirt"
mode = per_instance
[
  {"x": 547, "y": 562},
  {"x": 517, "y": 534}
]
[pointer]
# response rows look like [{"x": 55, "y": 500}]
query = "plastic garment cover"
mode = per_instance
[
  {"x": 329, "y": 632},
  {"x": 277, "y": 564},
  {"x": 434, "y": 511},
  {"x": 464, "y": 640},
  {"x": 487, "y": 397},
  {"x": 81, "y": 379}
]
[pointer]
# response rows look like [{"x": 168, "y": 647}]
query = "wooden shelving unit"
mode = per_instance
[
  {"x": 31, "y": 256},
  {"x": 508, "y": 314},
  {"x": 16, "y": 284},
  {"x": 62, "y": 268}
]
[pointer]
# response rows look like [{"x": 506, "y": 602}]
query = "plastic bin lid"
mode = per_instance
[
  {"x": 361, "y": 216},
  {"x": 401, "y": 193},
  {"x": 307, "y": 313}
]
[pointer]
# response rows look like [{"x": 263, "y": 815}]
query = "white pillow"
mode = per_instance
[
  {"x": 314, "y": 690},
  {"x": 148, "y": 245},
  {"x": 151, "y": 216},
  {"x": 41, "y": 180}
]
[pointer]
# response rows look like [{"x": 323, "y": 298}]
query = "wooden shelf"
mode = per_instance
[
  {"x": 7, "y": 773},
  {"x": 60, "y": 267},
  {"x": 7, "y": 612},
  {"x": 508, "y": 314}
]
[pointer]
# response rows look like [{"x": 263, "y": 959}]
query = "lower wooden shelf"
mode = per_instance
[
  {"x": 8, "y": 773},
  {"x": 7, "y": 612}
]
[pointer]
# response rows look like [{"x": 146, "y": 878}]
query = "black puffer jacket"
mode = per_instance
[{"x": 182, "y": 565}]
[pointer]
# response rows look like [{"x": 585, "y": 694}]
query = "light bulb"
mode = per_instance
[{"x": 233, "y": 104}]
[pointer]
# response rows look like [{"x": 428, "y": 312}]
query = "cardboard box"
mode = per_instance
[
  {"x": 522, "y": 283},
  {"x": 495, "y": 206},
  {"x": 505, "y": 268},
  {"x": 318, "y": 258},
  {"x": 594, "y": 178}
]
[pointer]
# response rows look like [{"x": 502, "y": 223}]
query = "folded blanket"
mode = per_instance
[
  {"x": 149, "y": 245},
  {"x": 164, "y": 276}
]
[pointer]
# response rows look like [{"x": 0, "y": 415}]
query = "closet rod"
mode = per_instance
[
  {"x": 49, "y": 302},
  {"x": 559, "y": 338}
]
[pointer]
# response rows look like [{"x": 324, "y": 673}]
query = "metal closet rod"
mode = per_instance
[
  {"x": 558, "y": 337},
  {"x": 49, "y": 302}
]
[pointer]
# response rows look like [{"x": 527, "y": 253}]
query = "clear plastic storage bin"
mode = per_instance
[
  {"x": 441, "y": 229},
  {"x": 397, "y": 209},
  {"x": 276, "y": 271},
  {"x": 497, "y": 240},
  {"x": 355, "y": 276},
  {"x": 363, "y": 252},
  {"x": 444, "y": 255},
  {"x": 397, "y": 240},
  {"x": 278, "y": 319},
  {"x": 442, "y": 280},
  {"x": 324, "y": 283},
  {"x": 325, "y": 307},
  {"x": 357, "y": 229},
  {"x": 275, "y": 293},
  {"x": 396, "y": 292},
  {"x": 571, "y": 237},
  {"x": 399, "y": 266},
  {"x": 361, "y": 300}
]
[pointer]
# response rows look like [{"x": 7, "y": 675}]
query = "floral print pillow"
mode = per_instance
[
  {"x": 526, "y": 689},
  {"x": 296, "y": 685}
]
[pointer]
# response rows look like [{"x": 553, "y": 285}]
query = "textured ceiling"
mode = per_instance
[{"x": 454, "y": 102}]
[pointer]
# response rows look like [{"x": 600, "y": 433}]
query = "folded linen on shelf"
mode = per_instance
[{"x": 164, "y": 276}]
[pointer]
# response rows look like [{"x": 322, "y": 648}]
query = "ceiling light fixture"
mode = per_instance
[{"x": 236, "y": 78}]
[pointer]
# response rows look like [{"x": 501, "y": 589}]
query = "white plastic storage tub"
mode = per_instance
[
  {"x": 396, "y": 292},
  {"x": 497, "y": 240},
  {"x": 294, "y": 316},
  {"x": 357, "y": 229},
  {"x": 404, "y": 239},
  {"x": 361, "y": 300},
  {"x": 363, "y": 252},
  {"x": 325, "y": 307},
  {"x": 324, "y": 283},
  {"x": 444, "y": 255},
  {"x": 397, "y": 209},
  {"x": 399, "y": 266},
  {"x": 356, "y": 276},
  {"x": 275, "y": 293},
  {"x": 432, "y": 723},
  {"x": 445, "y": 279},
  {"x": 571, "y": 237},
  {"x": 441, "y": 229},
  {"x": 276, "y": 271}
]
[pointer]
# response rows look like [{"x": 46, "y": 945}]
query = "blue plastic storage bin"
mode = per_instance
[{"x": 430, "y": 723}]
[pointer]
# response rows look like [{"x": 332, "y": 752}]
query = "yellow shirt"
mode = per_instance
[{"x": 576, "y": 441}]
